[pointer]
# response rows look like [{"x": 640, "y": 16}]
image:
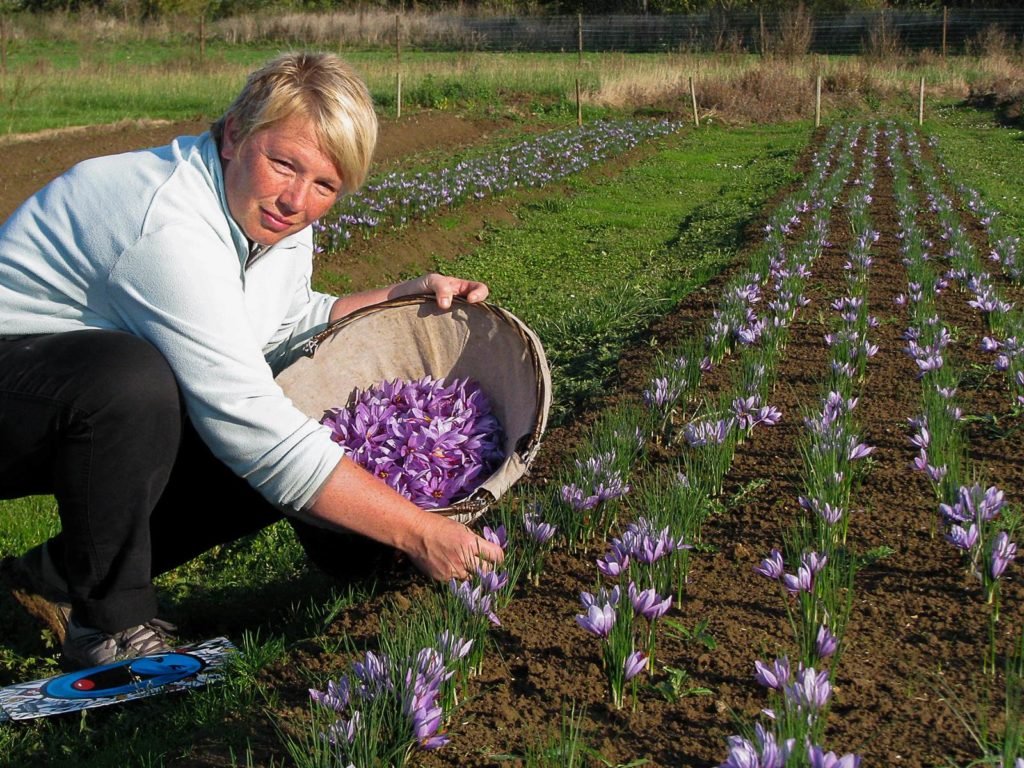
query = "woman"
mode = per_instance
[{"x": 146, "y": 302}]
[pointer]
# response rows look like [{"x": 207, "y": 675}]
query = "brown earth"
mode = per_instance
[
  {"x": 30, "y": 161},
  {"x": 916, "y": 636}
]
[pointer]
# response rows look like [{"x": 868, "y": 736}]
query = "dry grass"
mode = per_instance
[{"x": 754, "y": 89}]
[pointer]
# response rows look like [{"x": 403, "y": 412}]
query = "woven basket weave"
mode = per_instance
[{"x": 410, "y": 338}]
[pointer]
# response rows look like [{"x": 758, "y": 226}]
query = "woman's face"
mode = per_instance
[{"x": 278, "y": 181}]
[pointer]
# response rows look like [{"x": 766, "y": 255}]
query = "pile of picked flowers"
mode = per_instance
[{"x": 433, "y": 442}]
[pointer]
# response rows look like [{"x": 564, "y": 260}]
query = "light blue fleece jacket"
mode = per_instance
[{"x": 143, "y": 242}]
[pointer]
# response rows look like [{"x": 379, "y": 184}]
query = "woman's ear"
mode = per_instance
[{"x": 228, "y": 145}]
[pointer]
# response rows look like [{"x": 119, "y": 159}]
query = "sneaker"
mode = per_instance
[
  {"x": 36, "y": 585},
  {"x": 90, "y": 647}
]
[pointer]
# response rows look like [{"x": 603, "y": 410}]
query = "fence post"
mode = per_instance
[
  {"x": 920, "y": 105},
  {"x": 817, "y": 103},
  {"x": 693, "y": 100},
  {"x": 763, "y": 43},
  {"x": 945, "y": 26},
  {"x": 579, "y": 38},
  {"x": 398, "y": 65},
  {"x": 579, "y": 105}
]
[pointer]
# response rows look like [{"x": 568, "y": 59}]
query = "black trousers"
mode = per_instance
[{"x": 95, "y": 418}]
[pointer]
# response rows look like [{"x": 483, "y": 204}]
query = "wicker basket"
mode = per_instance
[{"x": 410, "y": 338}]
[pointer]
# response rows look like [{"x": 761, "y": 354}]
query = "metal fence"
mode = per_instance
[{"x": 953, "y": 31}]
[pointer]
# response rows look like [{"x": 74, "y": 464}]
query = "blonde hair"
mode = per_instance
[{"x": 321, "y": 88}]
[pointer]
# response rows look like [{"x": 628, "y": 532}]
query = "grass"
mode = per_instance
[
  {"x": 51, "y": 83},
  {"x": 984, "y": 156},
  {"x": 589, "y": 270}
]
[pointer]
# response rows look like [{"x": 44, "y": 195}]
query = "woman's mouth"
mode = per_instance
[{"x": 273, "y": 222}]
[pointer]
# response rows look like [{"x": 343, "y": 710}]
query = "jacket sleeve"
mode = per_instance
[{"x": 180, "y": 288}]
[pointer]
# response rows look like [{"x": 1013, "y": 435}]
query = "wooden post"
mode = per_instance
[
  {"x": 693, "y": 101},
  {"x": 398, "y": 39},
  {"x": 920, "y": 105},
  {"x": 764, "y": 45},
  {"x": 579, "y": 37},
  {"x": 398, "y": 66},
  {"x": 945, "y": 26},
  {"x": 202, "y": 35},
  {"x": 817, "y": 103},
  {"x": 3, "y": 44},
  {"x": 579, "y": 104}
]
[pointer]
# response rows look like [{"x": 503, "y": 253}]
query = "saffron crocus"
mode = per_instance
[
  {"x": 825, "y": 643},
  {"x": 772, "y": 566},
  {"x": 775, "y": 676},
  {"x": 614, "y": 562},
  {"x": 963, "y": 538},
  {"x": 1002, "y": 554},
  {"x": 810, "y": 690},
  {"x": 475, "y": 600},
  {"x": 598, "y": 620},
  {"x": 766, "y": 753},
  {"x": 633, "y": 665},
  {"x": 431, "y": 441},
  {"x": 648, "y": 603},
  {"x": 819, "y": 758},
  {"x": 538, "y": 530},
  {"x": 497, "y": 535}
]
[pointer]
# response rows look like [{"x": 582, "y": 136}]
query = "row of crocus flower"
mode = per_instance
[
  {"x": 817, "y": 593},
  {"x": 399, "y": 198},
  {"x": 761, "y": 340},
  {"x": 973, "y": 514},
  {"x": 971, "y": 511},
  {"x": 398, "y": 700},
  {"x": 648, "y": 561},
  {"x": 967, "y": 270}
]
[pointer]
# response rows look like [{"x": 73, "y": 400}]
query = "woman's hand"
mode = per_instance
[
  {"x": 443, "y": 287},
  {"x": 446, "y": 549}
]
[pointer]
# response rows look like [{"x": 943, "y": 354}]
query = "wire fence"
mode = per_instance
[{"x": 951, "y": 31}]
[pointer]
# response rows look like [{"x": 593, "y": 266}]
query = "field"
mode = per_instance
[{"x": 622, "y": 268}]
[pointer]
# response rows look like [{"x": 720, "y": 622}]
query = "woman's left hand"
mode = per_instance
[{"x": 443, "y": 287}]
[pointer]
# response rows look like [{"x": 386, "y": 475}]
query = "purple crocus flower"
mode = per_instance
[
  {"x": 810, "y": 690},
  {"x": 661, "y": 393},
  {"x": 574, "y": 497},
  {"x": 857, "y": 450},
  {"x": 767, "y": 753},
  {"x": 492, "y": 581},
  {"x": 453, "y": 647},
  {"x": 961, "y": 538},
  {"x": 336, "y": 697},
  {"x": 1002, "y": 554},
  {"x": 708, "y": 432},
  {"x": 817, "y": 757},
  {"x": 772, "y": 566},
  {"x": 598, "y": 620},
  {"x": 497, "y": 535},
  {"x": 825, "y": 644},
  {"x": 648, "y": 603},
  {"x": 432, "y": 442},
  {"x": 776, "y": 676},
  {"x": 538, "y": 530},
  {"x": 475, "y": 600},
  {"x": 614, "y": 562},
  {"x": 633, "y": 665}
]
